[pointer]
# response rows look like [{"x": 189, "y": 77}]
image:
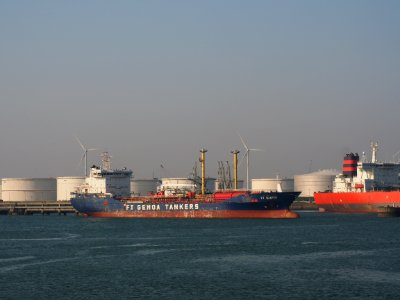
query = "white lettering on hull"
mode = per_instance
[{"x": 161, "y": 207}]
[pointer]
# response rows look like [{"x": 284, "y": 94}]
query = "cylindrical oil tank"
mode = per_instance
[
  {"x": 176, "y": 182},
  {"x": 29, "y": 189},
  {"x": 271, "y": 184},
  {"x": 210, "y": 185},
  {"x": 144, "y": 187},
  {"x": 310, "y": 183},
  {"x": 174, "y": 186},
  {"x": 68, "y": 185}
]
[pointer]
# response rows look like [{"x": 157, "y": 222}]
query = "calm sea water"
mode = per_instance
[{"x": 319, "y": 256}]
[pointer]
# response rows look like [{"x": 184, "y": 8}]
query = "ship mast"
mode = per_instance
[
  {"x": 203, "y": 171},
  {"x": 106, "y": 161},
  {"x": 235, "y": 165}
]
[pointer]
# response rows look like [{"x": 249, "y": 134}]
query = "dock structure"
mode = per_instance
[
  {"x": 36, "y": 207},
  {"x": 303, "y": 205}
]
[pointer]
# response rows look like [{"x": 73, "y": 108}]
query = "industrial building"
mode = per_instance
[{"x": 310, "y": 183}]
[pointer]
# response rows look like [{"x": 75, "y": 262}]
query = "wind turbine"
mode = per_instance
[
  {"x": 247, "y": 155},
  {"x": 394, "y": 155},
  {"x": 85, "y": 154}
]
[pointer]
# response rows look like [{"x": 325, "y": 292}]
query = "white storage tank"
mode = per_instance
[
  {"x": 177, "y": 186},
  {"x": 239, "y": 185},
  {"x": 210, "y": 185},
  {"x": 271, "y": 184},
  {"x": 29, "y": 189},
  {"x": 310, "y": 183},
  {"x": 143, "y": 187},
  {"x": 68, "y": 185}
]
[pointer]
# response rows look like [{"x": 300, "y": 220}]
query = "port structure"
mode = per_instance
[{"x": 224, "y": 176}]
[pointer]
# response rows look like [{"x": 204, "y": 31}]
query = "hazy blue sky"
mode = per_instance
[{"x": 154, "y": 81}]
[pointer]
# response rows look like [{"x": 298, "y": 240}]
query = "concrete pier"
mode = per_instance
[{"x": 36, "y": 207}]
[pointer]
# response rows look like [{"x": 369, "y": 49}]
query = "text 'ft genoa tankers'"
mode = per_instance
[{"x": 363, "y": 186}]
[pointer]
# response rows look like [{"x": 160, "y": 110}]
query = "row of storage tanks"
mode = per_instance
[{"x": 59, "y": 189}]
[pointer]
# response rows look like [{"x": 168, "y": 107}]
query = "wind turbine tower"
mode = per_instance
[
  {"x": 85, "y": 154},
  {"x": 247, "y": 155}
]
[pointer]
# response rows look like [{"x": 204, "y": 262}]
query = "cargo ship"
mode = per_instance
[
  {"x": 227, "y": 204},
  {"x": 103, "y": 196},
  {"x": 363, "y": 187}
]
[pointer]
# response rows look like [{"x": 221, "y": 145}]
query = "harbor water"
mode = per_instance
[{"x": 319, "y": 256}]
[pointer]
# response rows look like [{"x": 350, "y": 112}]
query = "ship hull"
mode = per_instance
[
  {"x": 357, "y": 202},
  {"x": 263, "y": 205},
  {"x": 272, "y": 214}
]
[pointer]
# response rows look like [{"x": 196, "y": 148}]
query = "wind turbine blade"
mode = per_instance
[
  {"x": 256, "y": 150},
  {"x": 92, "y": 149},
  {"x": 244, "y": 144},
  {"x": 83, "y": 147}
]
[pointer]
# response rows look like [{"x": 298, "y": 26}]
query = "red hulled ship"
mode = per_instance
[{"x": 364, "y": 186}]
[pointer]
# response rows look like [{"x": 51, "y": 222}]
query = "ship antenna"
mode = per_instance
[
  {"x": 374, "y": 150},
  {"x": 364, "y": 157},
  {"x": 203, "y": 171},
  {"x": 106, "y": 161}
]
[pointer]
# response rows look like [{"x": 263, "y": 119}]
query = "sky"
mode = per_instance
[{"x": 153, "y": 82}]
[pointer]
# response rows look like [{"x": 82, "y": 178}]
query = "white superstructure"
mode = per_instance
[
  {"x": 105, "y": 180},
  {"x": 367, "y": 176},
  {"x": 116, "y": 182}
]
